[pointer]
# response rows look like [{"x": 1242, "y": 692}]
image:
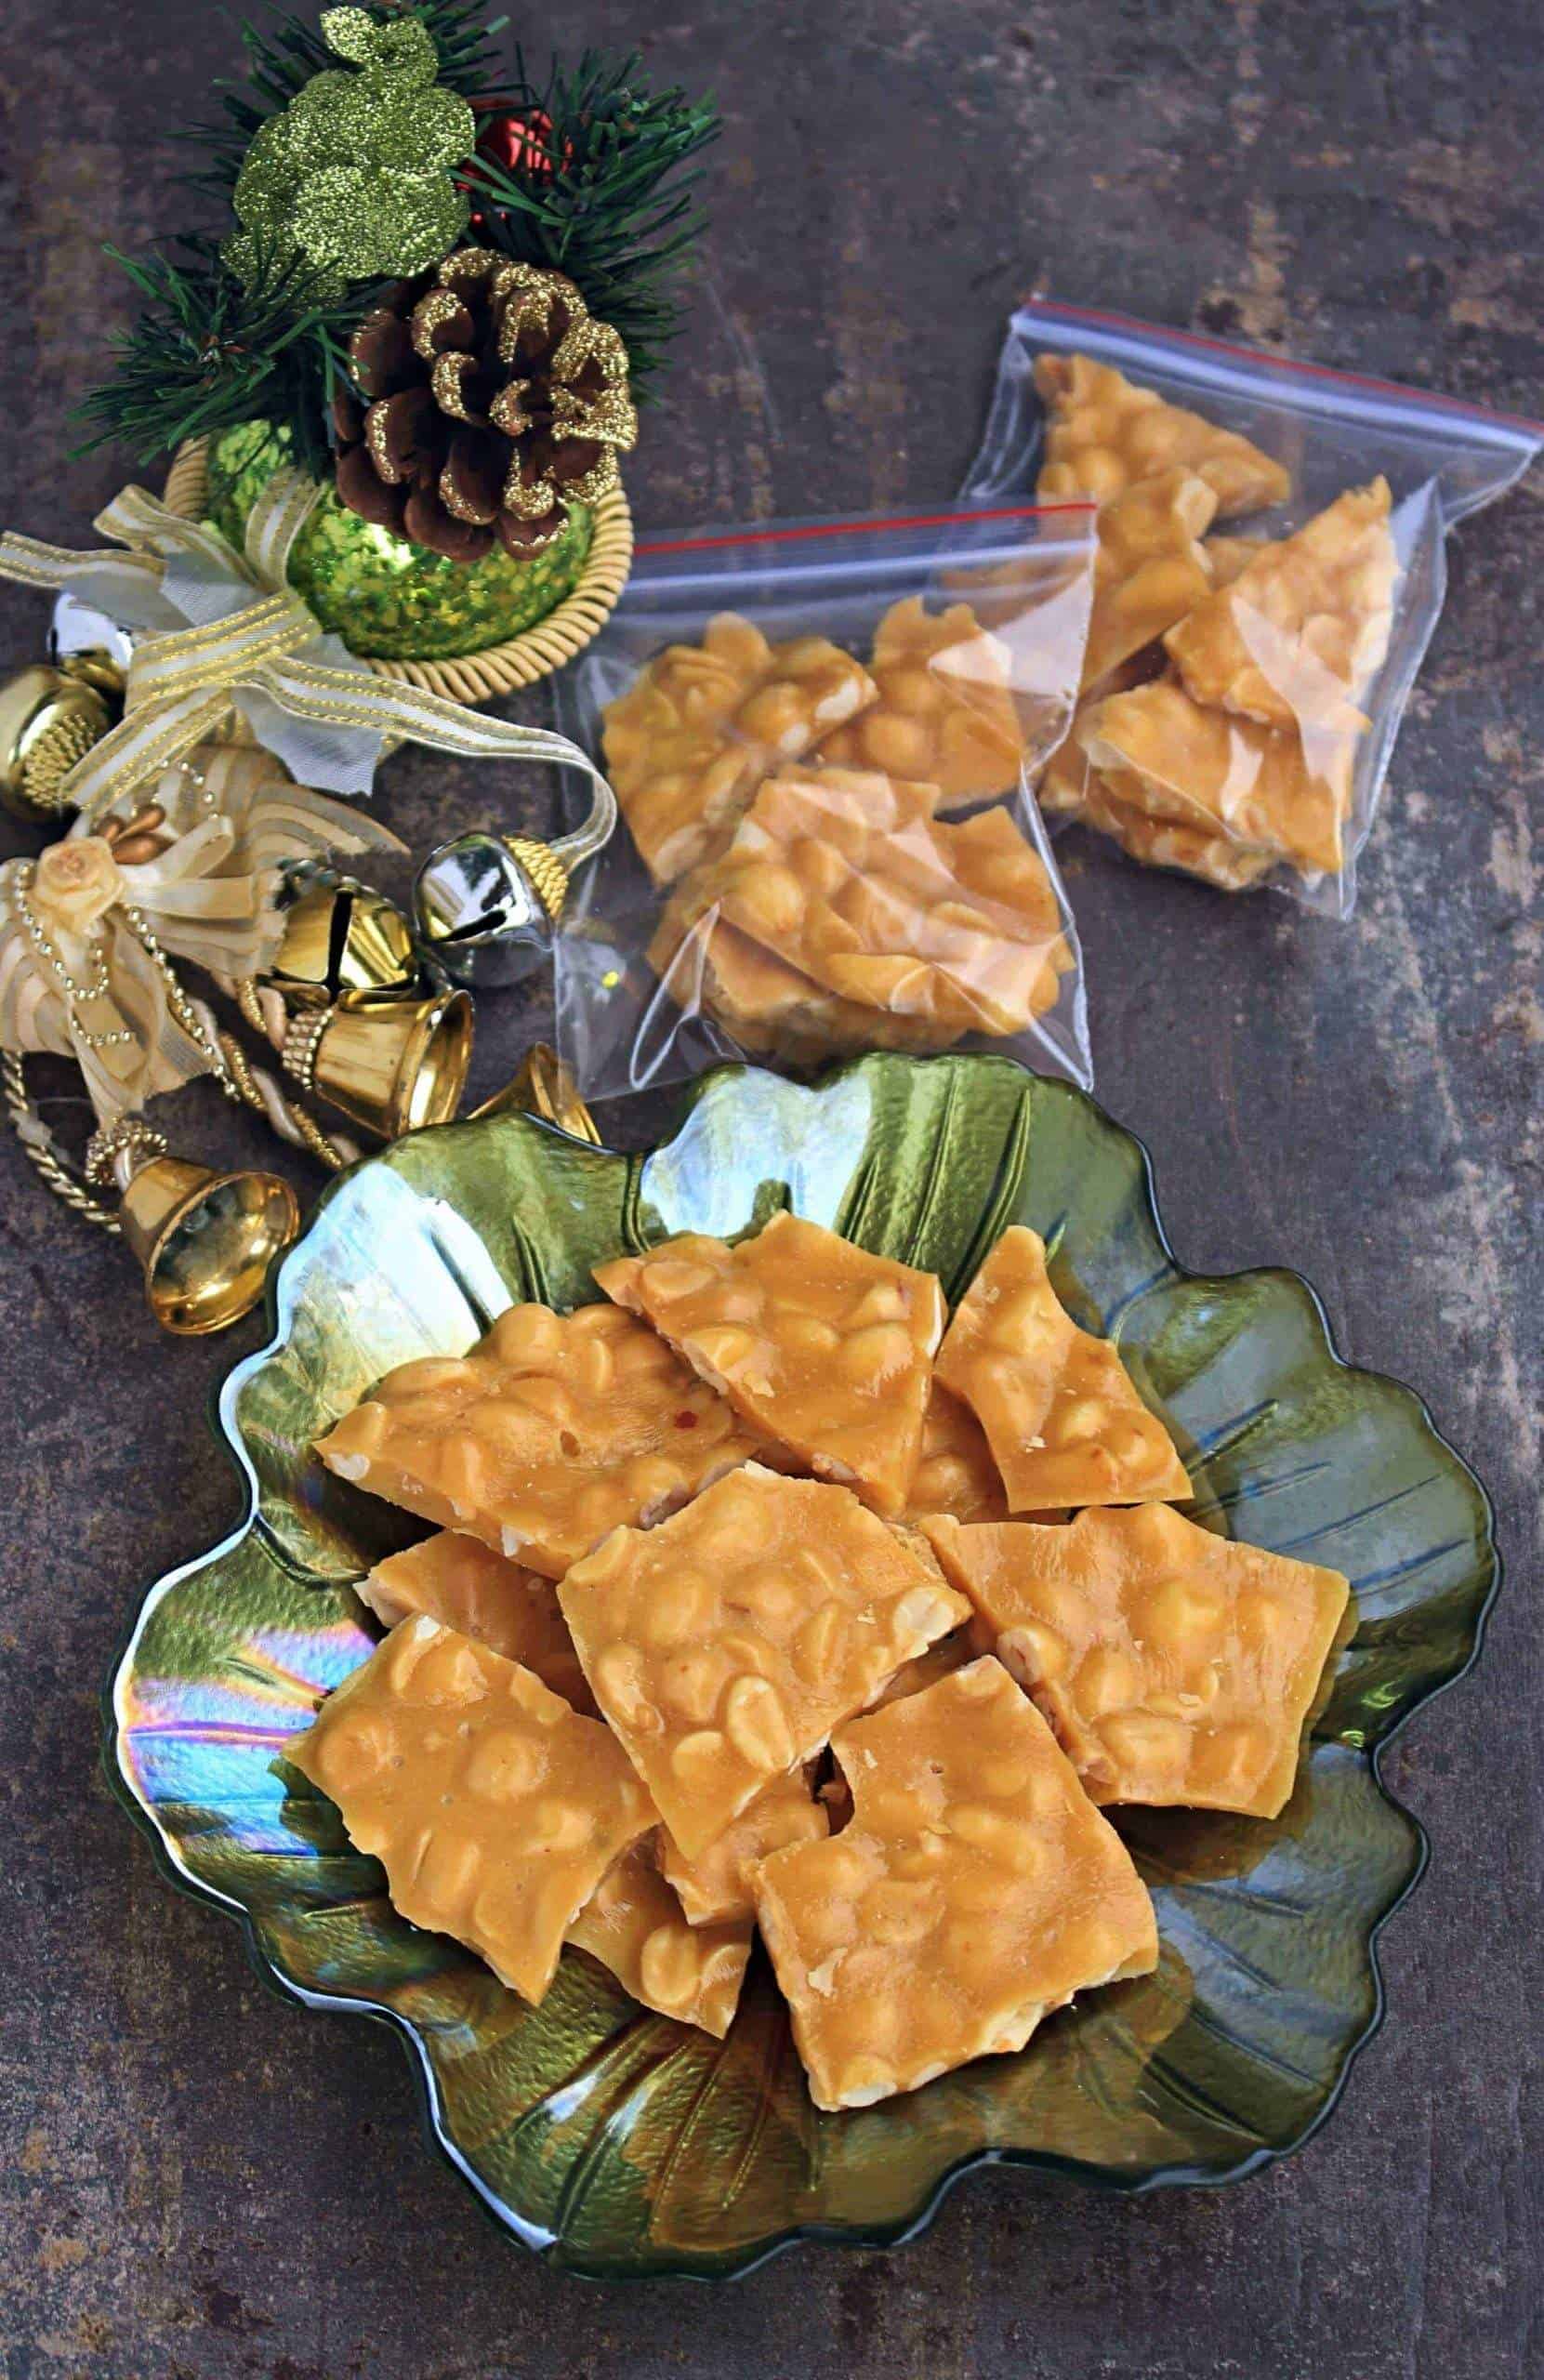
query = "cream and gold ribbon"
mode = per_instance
[
  {"x": 81, "y": 925},
  {"x": 218, "y": 630}
]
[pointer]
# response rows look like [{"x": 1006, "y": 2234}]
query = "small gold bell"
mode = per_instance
[
  {"x": 390, "y": 1062},
  {"x": 205, "y": 1241},
  {"x": 543, "y": 1086},
  {"x": 49, "y": 719},
  {"x": 342, "y": 936}
]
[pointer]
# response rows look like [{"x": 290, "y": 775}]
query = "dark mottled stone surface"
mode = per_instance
[{"x": 197, "y": 2180}]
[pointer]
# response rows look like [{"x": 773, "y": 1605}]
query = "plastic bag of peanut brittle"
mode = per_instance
[
  {"x": 821, "y": 736},
  {"x": 1270, "y": 570}
]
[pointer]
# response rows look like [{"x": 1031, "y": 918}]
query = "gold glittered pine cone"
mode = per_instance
[{"x": 491, "y": 400}]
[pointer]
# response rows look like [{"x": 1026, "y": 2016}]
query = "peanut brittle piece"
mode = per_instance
[
  {"x": 769, "y": 1007},
  {"x": 634, "y": 1925},
  {"x": 1175, "y": 1666},
  {"x": 467, "y": 1586},
  {"x": 1063, "y": 1421},
  {"x": 1302, "y": 631},
  {"x": 701, "y": 725},
  {"x": 724, "y": 1645},
  {"x": 1281, "y": 790},
  {"x": 715, "y": 1889},
  {"x": 1227, "y": 556},
  {"x": 1103, "y": 433},
  {"x": 818, "y": 1343},
  {"x": 1150, "y": 568},
  {"x": 946, "y": 714},
  {"x": 955, "y": 1471},
  {"x": 495, "y": 1809},
  {"x": 553, "y": 1430},
  {"x": 942, "y": 1660},
  {"x": 976, "y": 1889},
  {"x": 851, "y": 879},
  {"x": 1157, "y": 842}
]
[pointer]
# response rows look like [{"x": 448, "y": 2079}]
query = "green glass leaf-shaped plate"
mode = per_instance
[{"x": 613, "y": 2140}]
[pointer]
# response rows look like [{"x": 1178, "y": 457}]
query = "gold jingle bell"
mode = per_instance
[
  {"x": 205, "y": 1241},
  {"x": 342, "y": 936},
  {"x": 390, "y": 1064},
  {"x": 50, "y": 717}
]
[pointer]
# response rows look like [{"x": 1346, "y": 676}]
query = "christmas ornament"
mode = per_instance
[
  {"x": 340, "y": 935},
  {"x": 486, "y": 904},
  {"x": 518, "y": 144},
  {"x": 351, "y": 180},
  {"x": 227, "y": 633},
  {"x": 88, "y": 645},
  {"x": 353, "y": 1015},
  {"x": 89, "y": 929},
  {"x": 391, "y": 1062},
  {"x": 203, "y": 1241},
  {"x": 471, "y": 402},
  {"x": 491, "y": 398},
  {"x": 387, "y": 598},
  {"x": 50, "y": 717}
]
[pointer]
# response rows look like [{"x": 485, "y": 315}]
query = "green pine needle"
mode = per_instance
[
  {"x": 609, "y": 204},
  {"x": 206, "y": 353}
]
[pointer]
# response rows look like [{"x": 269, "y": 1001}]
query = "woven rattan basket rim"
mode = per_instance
[{"x": 499, "y": 668}]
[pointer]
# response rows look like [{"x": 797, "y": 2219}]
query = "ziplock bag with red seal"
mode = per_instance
[
  {"x": 1270, "y": 570},
  {"x": 820, "y": 734}
]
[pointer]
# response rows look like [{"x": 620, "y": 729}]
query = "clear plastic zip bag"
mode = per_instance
[
  {"x": 821, "y": 736},
  {"x": 1269, "y": 575}
]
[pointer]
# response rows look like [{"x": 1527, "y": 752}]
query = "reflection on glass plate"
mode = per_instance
[{"x": 618, "y": 2142}]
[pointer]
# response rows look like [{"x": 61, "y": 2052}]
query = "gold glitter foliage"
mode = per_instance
[{"x": 353, "y": 177}]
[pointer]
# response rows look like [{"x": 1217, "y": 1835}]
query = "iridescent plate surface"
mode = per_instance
[{"x": 613, "y": 2140}]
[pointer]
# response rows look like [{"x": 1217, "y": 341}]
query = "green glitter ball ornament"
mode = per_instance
[{"x": 390, "y": 600}]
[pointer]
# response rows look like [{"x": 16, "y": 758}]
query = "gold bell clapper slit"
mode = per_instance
[{"x": 353, "y": 1015}]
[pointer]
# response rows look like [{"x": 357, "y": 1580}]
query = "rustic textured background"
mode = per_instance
[{"x": 201, "y": 2181}]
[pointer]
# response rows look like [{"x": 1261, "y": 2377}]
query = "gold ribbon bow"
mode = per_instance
[
  {"x": 221, "y": 631},
  {"x": 85, "y": 927}
]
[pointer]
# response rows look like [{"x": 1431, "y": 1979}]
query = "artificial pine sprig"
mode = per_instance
[
  {"x": 205, "y": 354},
  {"x": 589, "y": 196}
]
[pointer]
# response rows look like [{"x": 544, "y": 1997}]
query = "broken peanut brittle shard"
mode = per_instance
[
  {"x": 1302, "y": 630},
  {"x": 634, "y": 1924},
  {"x": 852, "y": 881},
  {"x": 1064, "y": 1423},
  {"x": 955, "y": 1471},
  {"x": 467, "y": 1586},
  {"x": 819, "y": 1344},
  {"x": 1283, "y": 790},
  {"x": 724, "y": 1645},
  {"x": 1096, "y": 797},
  {"x": 550, "y": 1432},
  {"x": 1103, "y": 433},
  {"x": 716, "y": 1887},
  {"x": 1174, "y": 1665},
  {"x": 975, "y": 1889},
  {"x": 944, "y": 714},
  {"x": 1150, "y": 568},
  {"x": 494, "y": 1809},
  {"x": 690, "y": 740}
]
